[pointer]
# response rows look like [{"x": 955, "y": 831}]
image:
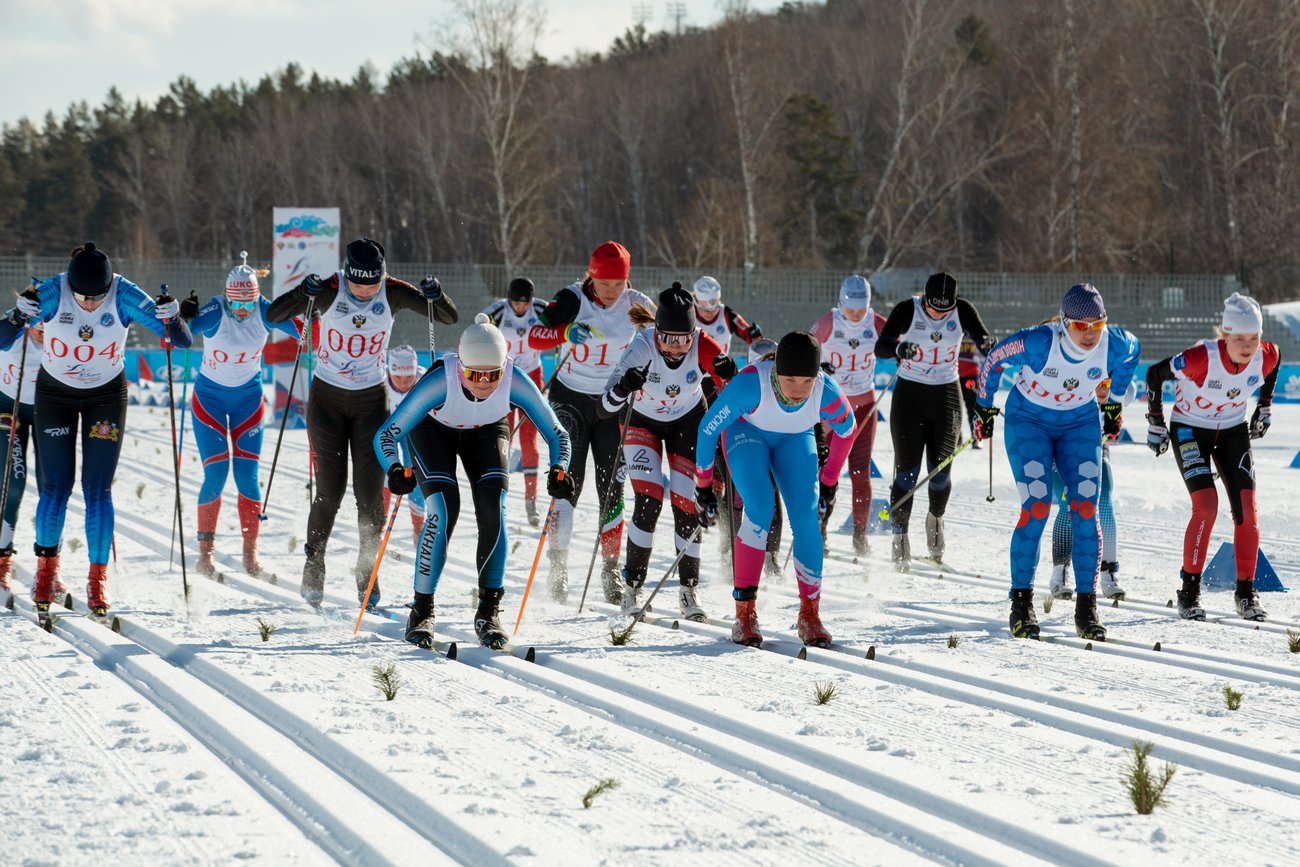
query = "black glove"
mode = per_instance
[
  {"x": 27, "y": 308},
  {"x": 1261, "y": 421},
  {"x": 827, "y": 368},
  {"x": 401, "y": 481},
  {"x": 633, "y": 380},
  {"x": 825, "y": 500},
  {"x": 823, "y": 443},
  {"x": 1112, "y": 419},
  {"x": 907, "y": 351},
  {"x": 558, "y": 484},
  {"x": 431, "y": 288},
  {"x": 706, "y": 505},
  {"x": 754, "y": 333},
  {"x": 988, "y": 343},
  {"x": 311, "y": 286},
  {"x": 984, "y": 416},
  {"x": 724, "y": 365},
  {"x": 1157, "y": 434},
  {"x": 190, "y": 307}
]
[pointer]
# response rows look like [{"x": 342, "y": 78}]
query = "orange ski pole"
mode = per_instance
[
  {"x": 379, "y": 558},
  {"x": 546, "y": 526}
]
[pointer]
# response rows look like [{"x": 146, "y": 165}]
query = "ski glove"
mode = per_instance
[
  {"x": 1112, "y": 421},
  {"x": 984, "y": 416},
  {"x": 823, "y": 445},
  {"x": 1157, "y": 434},
  {"x": 1261, "y": 421},
  {"x": 577, "y": 333},
  {"x": 29, "y": 305},
  {"x": 165, "y": 307},
  {"x": 190, "y": 307},
  {"x": 825, "y": 500},
  {"x": 907, "y": 351},
  {"x": 827, "y": 368},
  {"x": 706, "y": 505},
  {"x": 724, "y": 365},
  {"x": 633, "y": 380},
  {"x": 558, "y": 484},
  {"x": 311, "y": 286},
  {"x": 754, "y": 333},
  {"x": 401, "y": 481},
  {"x": 431, "y": 288}
]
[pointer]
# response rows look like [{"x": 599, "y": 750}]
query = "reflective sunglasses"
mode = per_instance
[
  {"x": 477, "y": 376},
  {"x": 668, "y": 339},
  {"x": 710, "y": 305},
  {"x": 88, "y": 299},
  {"x": 241, "y": 305},
  {"x": 1081, "y": 326}
]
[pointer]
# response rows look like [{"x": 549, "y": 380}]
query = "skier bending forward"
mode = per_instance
[{"x": 459, "y": 408}]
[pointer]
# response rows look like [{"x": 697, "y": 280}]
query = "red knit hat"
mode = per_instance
[{"x": 611, "y": 261}]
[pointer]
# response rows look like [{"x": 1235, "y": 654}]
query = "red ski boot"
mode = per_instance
[
  {"x": 206, "y": 564},
  {"x": 811, "y": 631},
  {"x": 250, "y": 524},
  {"x": 745, "y": 629},
  {"x": 6, "y": 567},
  {"x": 47, "y": 581},
  {"x": 97, "y": 589}
]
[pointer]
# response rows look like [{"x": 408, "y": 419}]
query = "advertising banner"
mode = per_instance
[{"x": 306, "y": 241}]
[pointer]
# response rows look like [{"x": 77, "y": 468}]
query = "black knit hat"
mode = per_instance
[
  {"x": 89, "y": 271},
  {"x": 798, "y": 354},
  {"x": 941, "y": 291},
  {"x": 521, "y": 289},
  {"x": 676, "y": 312},
  {"x": 365, "y": 262}
]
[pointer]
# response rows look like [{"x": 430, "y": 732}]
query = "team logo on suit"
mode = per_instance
[
  {"x": 1233, "y": 392},
  {"x": 936, "y": 336},
  {"x": 358, "y": 320},
  {"x": 86, "y": 332},
  {"x": 106, "y": 321},
  {"x": 853, "y": 342},
  {"x": 1071, "y": 384},
  {"x": 673, "y": 390}
]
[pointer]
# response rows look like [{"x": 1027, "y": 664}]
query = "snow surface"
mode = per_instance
[{"x": 187, "y": 740}]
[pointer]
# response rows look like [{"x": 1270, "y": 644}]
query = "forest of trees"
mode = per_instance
[{"x": 1062, "y": 135}]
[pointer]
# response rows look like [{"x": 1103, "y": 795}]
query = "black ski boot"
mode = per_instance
[
  {"x": 1189, "y": 597},
  {"x": 1248, "y": 606},
  {"x": 861, "y": 545},
  {"x": 363, "y": 581},
  {"x": 530, "y": 509},
  {"x": 487, "y": 619},
  {"x": 611, "y": 578},
  {"x": 901, "y": 554},
  {"x": 1024, "y": 624},
  {"x": 313, "y": 578},
  {"x": 419, "y": 626},
  {"x": 1087, "y": 624}
]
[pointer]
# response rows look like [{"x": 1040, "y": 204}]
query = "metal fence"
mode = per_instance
[{"x": 1167, "y": 312}]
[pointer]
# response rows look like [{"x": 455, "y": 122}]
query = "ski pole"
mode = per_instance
[
  {"x": 288, "y": 404},
  {"x": 13, "y": 417},
  {"x": 185, "y": 390},
  {"x": 379, "y": 558},
  {"x": 607, "y": 502},
  {"x": 672, "y": 567},
  {"x": 311, "y": 453},
  {"x": 546, "y": 528},
  {"x": 176, "y": 461},
  {"x": 887, "y": 512},
  {"x": 990, "y": 498}
]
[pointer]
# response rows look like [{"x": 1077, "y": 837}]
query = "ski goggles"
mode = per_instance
[
  {"x": 668, "y": 339},
  {"x": 708, "y": 305},
  {"x": 89, "y": 299},
  {"x": 477, "y": 376},
  {"x": 1082, "y": 326},
  {"x": 241, "y": 305}
]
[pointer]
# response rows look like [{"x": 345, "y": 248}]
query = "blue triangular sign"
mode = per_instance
[
  {"x": 875, "y": 524},
  {"x": 1295, "y": 461},
  {"x": 1221, "y": 574},
  {"x": 516, "y": 461},
  {"x": 875, "y": 470},
  {"x": 1125, "y": 436},
  {"x": 880, "y": 416}
]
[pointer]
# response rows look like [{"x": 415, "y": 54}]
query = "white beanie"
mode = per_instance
[
  {"x": 481, "y": 345},
  {"x": 855, "y": 293},
  {"x": 403, "y": 361},
  {"x": 707, "y": 289},
  {"x": 1241, "y": 315}
]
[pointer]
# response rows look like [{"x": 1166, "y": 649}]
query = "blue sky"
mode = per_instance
[{"x": 55, "y": 52}]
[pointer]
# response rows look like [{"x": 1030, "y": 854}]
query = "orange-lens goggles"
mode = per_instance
[
  {"x": 482, "y": 375},
  {"x": 1080, "y": 325},
  {"x": 673, "y": 339}
]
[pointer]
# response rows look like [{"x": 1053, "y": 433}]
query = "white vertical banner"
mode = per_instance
[{"x": 305, "y": 241}]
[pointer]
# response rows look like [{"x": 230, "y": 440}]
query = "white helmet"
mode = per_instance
[
  {"x": 708, "y": 294},
  {"x": 481, "y": 345},
  {"x": 761, "y": 347},
  {"x": 855, "y": 293},
  {"x": 403, "y": 361}
]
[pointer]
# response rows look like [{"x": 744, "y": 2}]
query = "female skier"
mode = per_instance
[
  {"x": 662, "y": 373},
  {"x": 1052, "y": 418},
  {"x": 848, "y": 336},
  {"x": 718, "y": 320},
  {"x": 925, "y": 335},
  {"x": 228, "y": 405},
  {"x": 86, "y": 310},
  {"x": 404, "y": 372},
  {"x": 515, "y": 315},
  {"x": 1212, "y": 382},
  {"x": 347, "y": 402},
  {"x": 13, "y": 367},
  {"x": 459, "y": 408},
  {"x": 592, "y": 315},
  {"x": 766, "y": 417}
]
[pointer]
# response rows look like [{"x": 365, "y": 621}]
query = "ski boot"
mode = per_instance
[
  {"x": 1189, "y": 597},
  {"x": 97, "y": 590},
  {"x": 631, "y": 602},
  {"x": 6, "y": 567},
  {"x": 611, "y": 579},
  {"x": 1248, "y": 607},
  {"x": 745, "y": 628},
  {"x": 688, "y": 601},
  {"x": 43, "y": 588},
  {"x": 1057, "y": 587},
  {"x": 557, "y": 580},
  {"x": 1108, "y": 584},
  {"x": 419, "y": 626},
  {"x": 530, "y": 509},
  {"x": 1024, "y": 624},
  {"x": 1087, "y": 624},
  {"x": 861, "y": 545},
  {"x": 363, "y": 581},
  {"x": 771, "y": 566},
  {"x": 487, "y": 619},
  {"x": 901, "y": 555},
  {"x": 809, "y": 626},
  {"x": 206, "y": 564},
  {"x": 313, "y": 578},
  {"x": 934, "y": 536},
  {"x": 250, "y": 524}
]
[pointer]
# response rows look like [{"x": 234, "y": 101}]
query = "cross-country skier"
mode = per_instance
[
  {"x": 924, "y": 334},
  {"x": 763, "y": 349},
  {"x": 721, "y": 321},
  {"x": 766, "y": 417},
  {"x": 459, "y": 409},
  {"x": 404, "y": 371},
  {"x": 1213, "y": 381},
  {"x": 1052, "y": 417},
  {"x": 11, "y": 360},
  {"x": 515, "y": 315},
  {"x": 592, "y": 315},
  {"x": 348, "y": 402},
  {"x": 663, "y": 372},
  {"x": 848, "y": 336},
  {"x": 86, "y": 310},
  {"x": 969, "y": 359},
  {"x": 228, "y": 403}
]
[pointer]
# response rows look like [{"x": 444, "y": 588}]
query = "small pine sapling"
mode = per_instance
[
  {"x": 1293, "y": 641},
  {"x": 1145, "y": 790},
  {"x": 386, "y": 680},
  {"x": 824, "y": 692},
  {"x": 293, "y": 544},
  {"x": 953, "y": 640},
  {"x": 75, "y": 544},
  {"x": 139, "y": 491},
  {"x": 600, "y": 788},
  {"x": 619, "y": 637},
  {"x": 266, "y": 629},
  {"x": 1232, "y": 698}
]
